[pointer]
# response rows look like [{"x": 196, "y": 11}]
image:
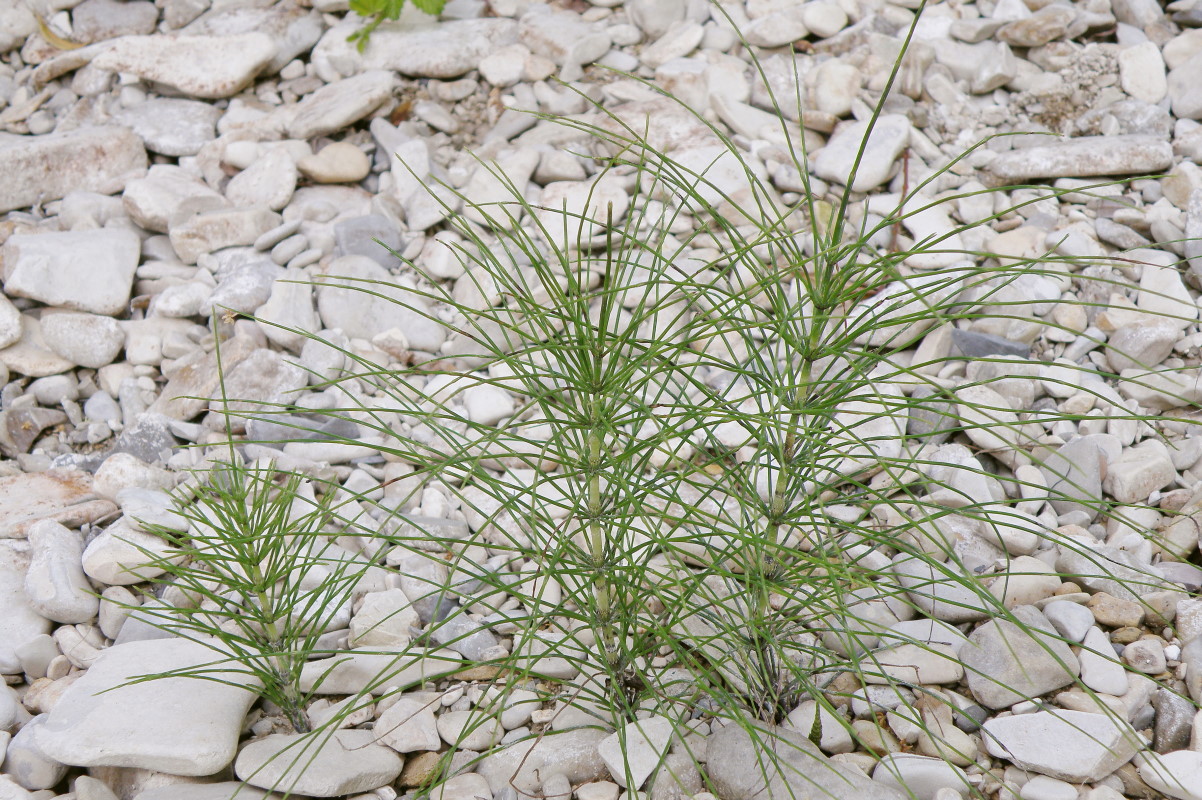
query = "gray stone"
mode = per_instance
[
  {"x": 1071, "y": 620},
  {"x": 27, "y": 763},
  {"x": 356, "y": 670},
  {"x": 81, "y": 270},
  {"x": 447, "y": 50},
  {"x": 268, "y": 182},
  {"x": 1006, "y": 662},
  {"x": 153, "y": 200},
  {"x": 223, "y": 790},
  {"x": 293, "y": 28},
  {"x": 208, "y": 67},
  {"x": 122, "y": 555},
  {"x": 471, "y": 729},
  {"x": 183, "y": 726},
  {"x": 1073, "y": 475},
  {"x": 244, "y": 286},
  {"x": 935, "y": 594},
  {"x": 1143, "y": 344},
  {"x": 922, "y": 775},
  {"x": 384, "y": 620},
  {"x": 654, "y": 17},
  {"x": 373, "y": 235},
  {"x": 39, "y": 169},
  {"x": 634, "y": 753},
  {"x": 1100, "y": 667},
  {"x": 1083, "y": 157},
  {"x": 89, "y": 340},
  {"x": 20, "y": 624},
  {"x": 1174, "y": 721},
  {"x": 1184, "y": 92},
  {"x": 340, "y": 104},
  {"x": 1074, "y": 746},
  {"x": 55, "y": 584},
  {"x": 318, "y": 764},
  {"x": 343, "y": 300},
  {"x": 889, "y": 137},
  {"x": 96, "y": 20},
  {"x": 523, "y": 764},
  {"x": 195, "y": 235},
  {"x": 261, "y": 383},
  {"x": 17, "y": 22},
  {"x": 289, "y": 311},
  {"x": 781, "y": 763},
  {"x": 408, "y": 726},
  {"x": 563, "y": 37},
  {"x": 465, "y": 636},
  {"x": 172, "y": 126},
  {"x": 979, "y": 345},
  {"x": 1178, "y": 775},
  {"x": 1101, "y": 568}
]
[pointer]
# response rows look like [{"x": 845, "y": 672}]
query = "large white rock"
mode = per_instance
[
  {"x": 183, "y": 726},
  {"x": 1005, "y": 662},
  {"x": 317, "y": 764},
  {"x": 573, "y": 214},
  {"x": 19, "y": 622},
  {"x": 633, "y": 753},
  {"x": 208, "y": 67},
  {"x": 1138, "y": 472},
  {"x": 358, "y": 670},
  {"x": 446, "y": 50},
  {"x": 55, "y": 584},
  {"x": 922, "y": 775},
  {"x": 1083, "y": 157},
  {"x": 89, "y": 340},
  {"x": 359, "y": 296},
  {"x": 193, "y": 236},
  {"x": 122, "y": 555},
  {"x": 268, "y": 182},
  {"x": 889, "y": 137},
  {"x": 1177, "y": 774},
  {"x": 564, "y": 37},
  {"x": 81, "y": 270},
  {"x": 10, "y": 323},
  {"x": 1142, "y": 73},
  {"x": 385, "y": 619},
  {"x": 151, "y": 201},
  {"x": 1100, "y": 667},
  {"x": 340, "y": 104},
  {"x": 1075, "y": 746},
  {"x": 289, "y": 310},
  {"x": 408, "y": 726},
  {"x": 38, "y": 169}
]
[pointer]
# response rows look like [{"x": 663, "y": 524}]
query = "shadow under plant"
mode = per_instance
[{"x": 712, "y": 487}]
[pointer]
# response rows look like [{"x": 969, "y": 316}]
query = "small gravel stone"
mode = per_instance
[{"x": 339, "y": 162}]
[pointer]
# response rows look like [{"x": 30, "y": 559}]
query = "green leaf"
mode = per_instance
[
  {"x": 367, "y": 8},
  {"x": 432, "y": 7},
  {"x": 392, "y": 8}
]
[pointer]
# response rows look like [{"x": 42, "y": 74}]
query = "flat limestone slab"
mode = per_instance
[
  {"x": 182, "y": 726},
  {"x": 63, "y": 495},
  {"x": 38, "y": 169},
  {"x": 1084, "y": 157}
]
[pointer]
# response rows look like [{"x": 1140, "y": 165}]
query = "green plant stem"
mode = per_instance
[{"x": 294, "y": 705}]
